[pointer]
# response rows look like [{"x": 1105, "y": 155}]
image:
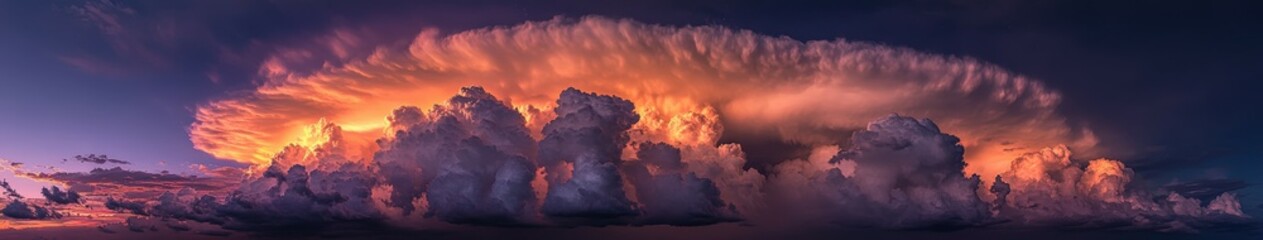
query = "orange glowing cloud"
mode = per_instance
[{"x": 804, "y": 92}]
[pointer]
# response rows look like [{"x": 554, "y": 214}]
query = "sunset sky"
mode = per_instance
[{"x": 630, "y": 120}]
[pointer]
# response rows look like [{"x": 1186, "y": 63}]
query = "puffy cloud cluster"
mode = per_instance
[
  {"x": 287, "y": 195},
  {"x": 278, "y": 200},
  {"x": 582, "y": 150},
  {"x": 57, "y": 196},
  {"x": 119, "y": 205},
  {"x": 468, "y": 159},
  {"x": 669, "y": 193},
  {"x": 899, "y": 172},
  {"x": 902, "y": 172},
  {"x": 1047, "y": 187},
  {"x": 473, "y": 160},
  {"x": 284, "y": 195},
  {"x": 20, "y": 209}
]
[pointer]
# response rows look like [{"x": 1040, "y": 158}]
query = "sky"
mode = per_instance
[{"x": 858, "y": 111}]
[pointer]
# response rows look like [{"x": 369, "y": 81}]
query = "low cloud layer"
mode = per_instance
[{"x": 129, "y": 183}]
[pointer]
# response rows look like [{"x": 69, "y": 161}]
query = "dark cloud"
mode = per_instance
[
  {"x": 585, "y": 142},
  {"x": 8, "y": 190},
  {"x": 185, "y": 204},
  {"x": 1001, "y": 191},
  {"x": 21, "y": 210},
  {"x": 670, "y": 194},
  {"x": 287, "y": 196},
  {"x": 135, "y": 207},
  {"x": 301, "y": 198},
  {"x": 106, "y": 181},
  {"x": 469, "y": 157},
  {"x": 57, "y": 196},
  {"x": 99, "y": 159},
  {"x": 899, "y": 173},
  {"x": 110, "y": 175},
  {"x": 136, "y": 224}
]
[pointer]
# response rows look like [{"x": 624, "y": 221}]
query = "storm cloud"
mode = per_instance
[
  {"x": 521, "y": 145},
  {"x": 470, "y": 158},
  {"x": 474, "y": 160},
  {"x": 773, "y": 88}
]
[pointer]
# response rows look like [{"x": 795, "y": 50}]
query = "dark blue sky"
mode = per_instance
[{"x": 1173, "y": 80}]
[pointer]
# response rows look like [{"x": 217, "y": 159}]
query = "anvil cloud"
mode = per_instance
[{"x": 805, "y": 92}]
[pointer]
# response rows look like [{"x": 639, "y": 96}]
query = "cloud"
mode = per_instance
[
  {"x": 474, "y": 160},
  {"x": 99, "y": 159},
  {"x": 134, "y": 207},
  {"x": 131, "y": 184},
  {"x": 293, "y": 198},
  {"x": 57, "y": 196},
  {"x": 21, "y": 210},
  {"x": 669, "y": 194},
  {"x": 1049, "y": 189},
  {"x": 900, "y": 172},
  {"x": 772, "y": 87},
  {"x": 9, "y": 192},
  {"x": 185, "y": 204},
  {"x": 287, "y": 194},
  {"x": 469, "y": 159},
  {"x": 581, "y": 151},
  {"x": 650, "y": 152}
]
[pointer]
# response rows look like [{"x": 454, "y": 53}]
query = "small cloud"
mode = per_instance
[
  {"x": 99, "y": 159},
  {"x": 135, "y": 207},
  {"x": 8, "y": 190},
  {"x": 57, "y": 196}
]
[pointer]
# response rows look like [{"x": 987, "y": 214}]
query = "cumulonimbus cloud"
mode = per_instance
[
  {"x": 643, "y": 147},
  {"x": 796, "y": 91}
]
